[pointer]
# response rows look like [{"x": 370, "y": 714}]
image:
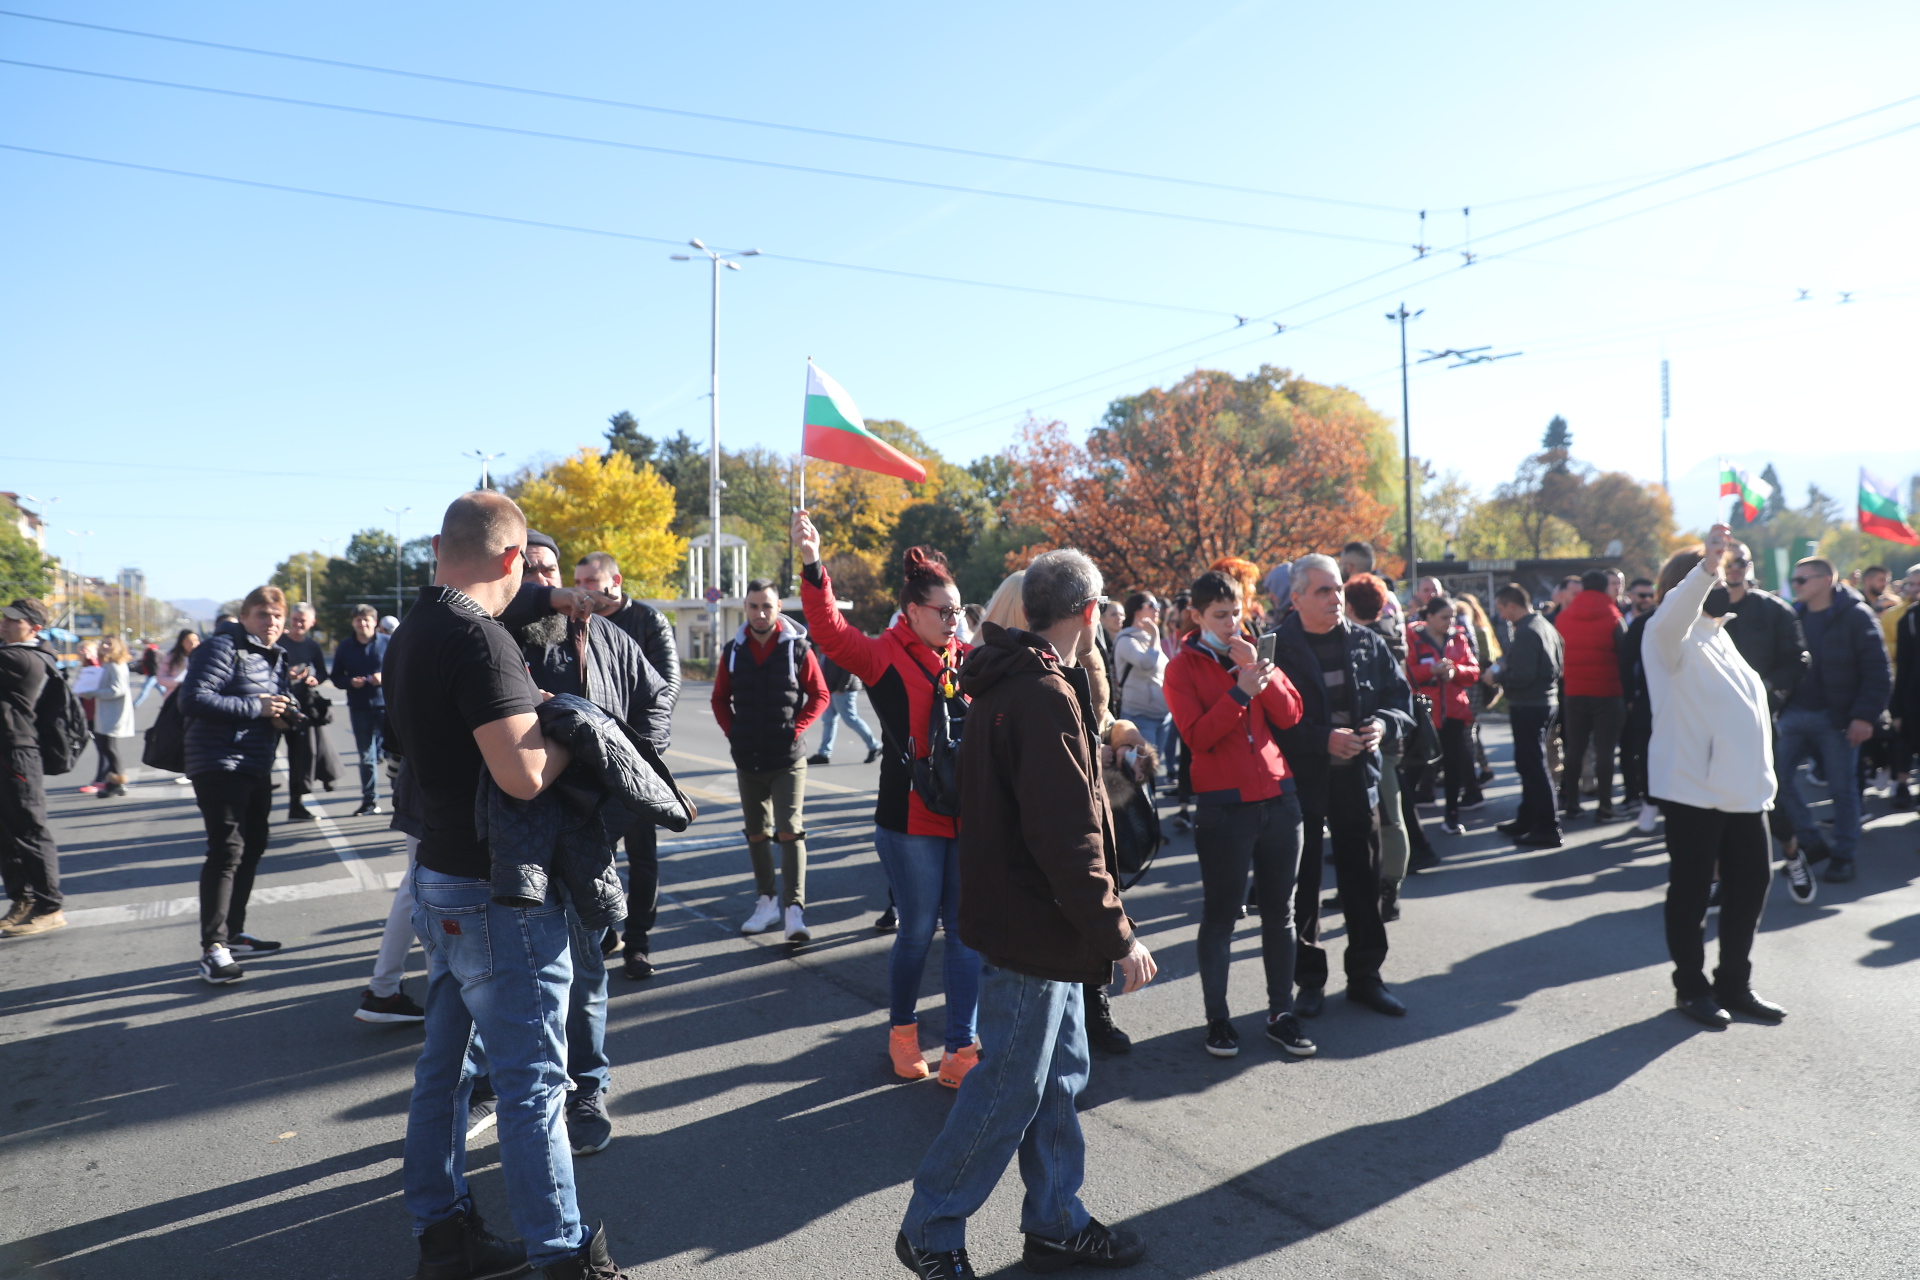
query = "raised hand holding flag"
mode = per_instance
[{"x": 834, "y": 431}]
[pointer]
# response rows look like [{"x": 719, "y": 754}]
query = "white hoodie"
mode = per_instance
[{"x": 1712, "y": 742}]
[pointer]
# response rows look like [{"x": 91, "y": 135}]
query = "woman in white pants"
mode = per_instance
[{"x": 1711, "y": 768}]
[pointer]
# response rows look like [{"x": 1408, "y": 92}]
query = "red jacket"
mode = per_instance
[
  {"x": 1590, "y": 628},
  {"x": 1451, "y": 700},
  {"x": 1235, "y": 758},
  {"x": 899, "y": 670}
]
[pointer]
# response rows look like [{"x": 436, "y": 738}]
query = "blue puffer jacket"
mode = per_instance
[{"x": 226, "y": 679}]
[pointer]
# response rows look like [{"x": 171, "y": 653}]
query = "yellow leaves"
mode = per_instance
[{"x": 590, "y": 503}]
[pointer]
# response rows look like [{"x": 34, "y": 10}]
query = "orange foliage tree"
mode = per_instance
[{"x": 1181, "y": 477}]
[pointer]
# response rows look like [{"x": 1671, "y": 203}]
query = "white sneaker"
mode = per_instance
[
  {"x": 797, "y": 925},
  {"x": 1648, "y": 816},
  {"x": 766, "y": 915}
]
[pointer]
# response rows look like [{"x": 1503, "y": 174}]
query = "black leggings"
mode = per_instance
[
  {"x": 1456, "y": 759},
  {"x": 1697, "y": 840},
  {"x": 109, "y": 752}
]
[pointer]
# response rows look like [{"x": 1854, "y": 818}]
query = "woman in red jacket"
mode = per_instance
[
  {"x": 1227, "y": 703},
  {"x": 906, "y": 669},
  {"x": 1442, "y": 664}
]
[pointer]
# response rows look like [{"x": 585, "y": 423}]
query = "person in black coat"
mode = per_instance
[
  {"x": 1354, "y": 697},
  {"x": 310, "y": 758},
  {"x": 236, "y": 701}
]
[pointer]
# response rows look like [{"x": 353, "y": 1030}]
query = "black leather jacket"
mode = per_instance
[
  {"x": 1766, "y": 631},
  {"x": 568, "y": 832},
  {"x": 1380, "y": 691}
]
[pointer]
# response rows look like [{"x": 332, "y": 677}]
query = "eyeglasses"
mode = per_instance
[
  {"x": 1102, "y": 601},
  {"x": 950, "y": 614},
  {"x": 1742, "y": 561}
]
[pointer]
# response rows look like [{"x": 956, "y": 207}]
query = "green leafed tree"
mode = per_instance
[{"x": 24, "y": 569}]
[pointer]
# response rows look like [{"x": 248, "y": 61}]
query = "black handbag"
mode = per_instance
[
  {"x": 166, "y": 746},
  {"x": 1423, "y": 744},
  {"x": 1136, "y": 838}
]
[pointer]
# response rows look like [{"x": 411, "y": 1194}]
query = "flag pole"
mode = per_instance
[{"x": 803, "y": 438}]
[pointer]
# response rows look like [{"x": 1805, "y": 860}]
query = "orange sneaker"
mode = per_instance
[
  {"x": 954, "y": 1066},
  {"x": 903, "y": 1046}
]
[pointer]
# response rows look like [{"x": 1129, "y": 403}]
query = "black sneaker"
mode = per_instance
[
  {"x": 1713, "y": 899},
  {"x": 588, "y": 1129},
  {"x": 394, "y": 1008},
  {"x": 873, "y": 753},
  {"x": 1839, "y": 872},
  {"x": 1800, "y": 883},
  {"x": 1222, "y": 1040},
  {"x": 1424, "y": 859},
  {"x": 217, "y": 966},
  {"x": 368, "y": 809},
  {"x": 461, "y": 1248},
  {"x": 1097, "y": 1245},
  {"x": 1102, "y": 1034},
  {"x": 244, "y": 943},
  {"x": 819, "y": 757},
  {"x": 889, "y": 921},
  {"x": 1284, "y": 1029},
  {"x": 591, "y": 1263},
  {"x": 929, "y": 1264},
  {"x": 481, "y": 1113},
  {"x": 637, "y": 967},
  {"x": 300, "y": 813}
]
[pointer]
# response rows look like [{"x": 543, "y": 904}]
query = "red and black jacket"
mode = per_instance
[
  {"x": 900, "y": 671},
  {"x": 1235, "y": 759}
]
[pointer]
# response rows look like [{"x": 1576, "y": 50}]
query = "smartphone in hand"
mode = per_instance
[{"x": 1267, "y": 642}]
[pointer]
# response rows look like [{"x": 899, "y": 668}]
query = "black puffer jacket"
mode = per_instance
[
  {"x": 567, "y": 832},
  {"x": 619, "y": 677},
  {"x": 221, "y": 698}
]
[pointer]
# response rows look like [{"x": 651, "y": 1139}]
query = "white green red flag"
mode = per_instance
[
  {"x": 1752, "y": 491},
  {"x": 835, "y": 432},
  {"x": 1880, "y": 511}
]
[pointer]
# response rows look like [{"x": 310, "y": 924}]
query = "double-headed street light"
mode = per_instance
[{"x": 713, "y": 397}]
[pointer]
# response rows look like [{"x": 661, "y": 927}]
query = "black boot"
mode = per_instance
[
  {"x": 461, "y": 1248},
  {"x": 1389, "y": 902},
  {"x": 1101, "y": 1033},
  {"x": 591, "y": 1263}
]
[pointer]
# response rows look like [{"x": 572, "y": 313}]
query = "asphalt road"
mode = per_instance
[{"x": 1543, "y": 1111}]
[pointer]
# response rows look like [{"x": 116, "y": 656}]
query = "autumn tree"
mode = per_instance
[
  {"x": 1214, "y": 466},
  {"x": 591, "y": 502},
  {"x": 25, "y": 570}
]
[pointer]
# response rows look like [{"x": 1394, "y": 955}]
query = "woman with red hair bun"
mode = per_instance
[{"x": 912, "y": 676}]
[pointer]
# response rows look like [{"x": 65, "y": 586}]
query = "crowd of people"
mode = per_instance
[{"x": 1297, "y": 719}]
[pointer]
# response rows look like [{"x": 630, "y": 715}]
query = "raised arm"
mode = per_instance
[{"x": 862, "y": 655}]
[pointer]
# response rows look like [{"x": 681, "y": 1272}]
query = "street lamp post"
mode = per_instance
[
  {"x": 1406, "y": 439},
  {"x": 486, "y": 477},
  {"x": 719, "y": 260},
  {"x": 398, "y": 593}
]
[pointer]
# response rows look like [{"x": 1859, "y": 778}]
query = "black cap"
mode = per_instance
[
  {"x": 537, "y": 539},
  {"x": 26, "y": 610}
]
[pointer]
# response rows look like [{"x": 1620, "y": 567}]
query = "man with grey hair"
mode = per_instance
[
  {"x": 1354, "y": 698},
  {"x": 310, "y": 757},
  {"x": 1039, "y": 901}
]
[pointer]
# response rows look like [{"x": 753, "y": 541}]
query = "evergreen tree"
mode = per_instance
[{"x": 1557, "y": 444}]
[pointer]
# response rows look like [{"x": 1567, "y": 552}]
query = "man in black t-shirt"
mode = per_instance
[{"x": 459, "y": 700}]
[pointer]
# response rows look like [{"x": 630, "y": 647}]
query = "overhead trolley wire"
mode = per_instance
[
  {"x": 717, "y": 119},
  {"x": 594, "y": 231},
  {"x": 813, "y": 170}
]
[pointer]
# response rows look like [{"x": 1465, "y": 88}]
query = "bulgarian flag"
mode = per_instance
[
  {"x": 1880, "y": 511},
  {"x": 1753, "y": 493},
  {"x": 835, "y": 432}
]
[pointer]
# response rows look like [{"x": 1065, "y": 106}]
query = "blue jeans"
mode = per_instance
[
  {"x": 1019, "y": 1098},
  {"x": 924, "y": 872},
  {"x": 1805, "y": 735},
  {"x": 502, "y": 974},
  {"x": 366, "y": 737},
  {"x": 587, "y": 1063},
  {"x": 845, "y": 705},
  {"x": 153, "y": 682}
]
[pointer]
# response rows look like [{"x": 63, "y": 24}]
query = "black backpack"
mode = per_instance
[
  {"x": 60, "y": 723},
  {"x": 936, "y": 776},
  {"x": 167, "y": 740}
]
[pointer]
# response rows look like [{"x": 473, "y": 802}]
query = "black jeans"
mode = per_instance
[
  {"x": 1229, "y": 839},
  {"x": 1410, "y": 813},
  {"x": 1343, "y": 812},
  {"x": 1537, "y": 814},
  {"x": 1697, "y": 839},
  {"x": 1456, "y": 762},
  {"x": 29, "y": 860},
  {"x": 1635, "y": 735},
  {"x": 236, "y": 807},
  {"x": 1597, "y": 720},
  {"x": 643, "y": 886}
]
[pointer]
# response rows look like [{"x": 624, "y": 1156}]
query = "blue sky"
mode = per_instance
[{"x": 210, "y": 376}]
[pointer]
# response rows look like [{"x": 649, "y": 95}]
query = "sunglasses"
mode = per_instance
[
  {"x": 1742, "y": 561},
  {"x": 1803, "y": 581}
]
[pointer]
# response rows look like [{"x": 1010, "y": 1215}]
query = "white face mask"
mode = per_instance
[{"x": 1213, "y": 642}]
